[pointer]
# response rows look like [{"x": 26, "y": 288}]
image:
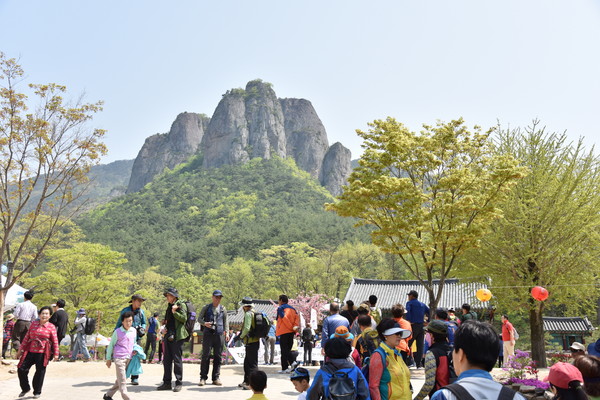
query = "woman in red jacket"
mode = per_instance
[{"x": 38, "y": 347}]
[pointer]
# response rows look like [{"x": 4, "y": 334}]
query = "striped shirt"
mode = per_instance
[{"x": 26, "y": 311}]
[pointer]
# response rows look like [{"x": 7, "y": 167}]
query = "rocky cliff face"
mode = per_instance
[
  {"x": 162, "y": 151},
  {"x": 336, "y": 168},
  {"x": 248, "y": 123}
]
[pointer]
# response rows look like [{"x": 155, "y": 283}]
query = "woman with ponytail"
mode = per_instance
[{"x": 566, "y": 382}]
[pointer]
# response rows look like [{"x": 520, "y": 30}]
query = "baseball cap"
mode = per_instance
[
  {"x": 217, "y": 293},
  {"x": 136, "y": 297},
  {"x": 413, "y": 293},
  {"x": 561, "y": 374}
]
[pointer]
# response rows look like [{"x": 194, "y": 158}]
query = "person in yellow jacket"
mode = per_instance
[{"x": 389, "y": 377}]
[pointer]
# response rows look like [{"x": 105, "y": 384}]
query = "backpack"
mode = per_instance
[
  {"x": 452, "y": 328},
  {"x": 90, "y": 326},
  {"x": 367, "y": 343},
  {"x": 190, "y": 321},
  {"x": 461, "y": 393},
  {"x": 307, "y": 335},
  {"x": 376, "y": 314},
  {"x": 365, "y": 367},
  {"x": 338, "y": 385},
  {"x": 262, "y": 325}
]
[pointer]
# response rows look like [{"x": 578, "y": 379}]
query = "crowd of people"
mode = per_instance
[{"x": 365, "y": 356}]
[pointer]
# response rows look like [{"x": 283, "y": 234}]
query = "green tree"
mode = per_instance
[
  {"x": 430, "y": 196},
  {"x": 151, "y": 285},
  {"x": 45, "y": 153},
  {"x": 87, "y": 275},
  {"x": 235, "y": 280},
  {"x": 550, "y": 231}
]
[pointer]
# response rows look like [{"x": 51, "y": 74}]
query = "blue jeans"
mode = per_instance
[{"x": 80, "y": 347}]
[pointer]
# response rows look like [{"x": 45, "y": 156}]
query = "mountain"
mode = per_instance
[
  {"x": 206, "y": 217},
  {"x": 247, "y": 123}
]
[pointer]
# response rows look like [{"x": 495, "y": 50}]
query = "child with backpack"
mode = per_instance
[
  {"x": 119, "y": 350},
  {"x": 300, "y": 378},
  {"x": 338, "y": 378}
]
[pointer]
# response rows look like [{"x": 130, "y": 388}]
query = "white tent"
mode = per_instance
[
  {"x": 98, "y": 339},
  {"x": 13, "y": 296}
]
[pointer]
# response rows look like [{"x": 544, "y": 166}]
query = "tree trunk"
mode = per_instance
[
  {"x": 2, "y": 294},
  {"x": 538, "y": 346}
]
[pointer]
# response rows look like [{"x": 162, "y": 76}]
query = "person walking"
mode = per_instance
[
  {"x": 120, "y": 350},
  {"x": 416, "y": 311},
  {"x": 288, "y": 323},
  {"x": 508, "y": 338},
  {"x": 24, "y": 313},
  {"x": 215, "y": 327},
  {"x": 38, "y": 347},
  {"x": 252, "y": 343},
  {"x": 269, "y": 344},
  {"x": 389, "y": 378},
  {"x": 308, "y": 337},
  {"x": 175, "y": 319},
  {"x": 9, "y": 324},
  {"x": 437, "y": 360},
  {"x": 80, "y": 345},
  {"x": 153, "y": 327},
  {"x": 331, "y": 323},
  {"x": 60, "y": 319},
  {"x": 139, "y": 323}
]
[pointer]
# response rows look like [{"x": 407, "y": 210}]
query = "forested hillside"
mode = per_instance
[{"x": 208, "y": 217}]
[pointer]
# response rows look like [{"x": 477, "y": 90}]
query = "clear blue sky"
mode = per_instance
[{"x": 356, "y": 61}]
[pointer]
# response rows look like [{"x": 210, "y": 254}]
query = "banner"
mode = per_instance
[{"x": 238, "y": 353}]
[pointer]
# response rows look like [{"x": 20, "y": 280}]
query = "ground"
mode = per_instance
[{"x": 91, "y": 380}]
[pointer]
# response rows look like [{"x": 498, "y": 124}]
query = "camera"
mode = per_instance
[{"x": 171, "y": 337}]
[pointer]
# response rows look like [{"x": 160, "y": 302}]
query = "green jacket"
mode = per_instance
[
  {"x": 248, "y": 325},
  {"x": 180, "y": 318}
]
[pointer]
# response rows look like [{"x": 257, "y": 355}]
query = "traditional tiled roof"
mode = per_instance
[
  {"x": 390, "y": 292},
  {"x": 267, "y": 306},
  {"x": 567, "y": 324}
]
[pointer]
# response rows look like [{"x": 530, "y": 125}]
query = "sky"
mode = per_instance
[{"x": 510, "y": 61}]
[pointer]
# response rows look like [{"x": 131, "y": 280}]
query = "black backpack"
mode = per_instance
[
  {"x": 340, "y": 385},
  {"x": 262, "y": 325},
  {"x": 190, "y": 321},
  {"x": 307, "y": 335},
  {"x": 90, "y": 326}
]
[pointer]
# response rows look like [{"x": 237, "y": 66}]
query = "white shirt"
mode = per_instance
[{"x": 27, "y": 311}]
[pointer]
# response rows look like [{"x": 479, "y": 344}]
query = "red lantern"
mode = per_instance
[{"x": 539, "y": 293}]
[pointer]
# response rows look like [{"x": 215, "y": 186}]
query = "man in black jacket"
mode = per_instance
[
  {"x": 215, "y": 328},
  {"x": 60, "y": 319}
]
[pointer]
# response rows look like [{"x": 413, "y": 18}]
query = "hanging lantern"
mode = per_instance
[
  {"x": 483, "y": 295},
  {"x": 539, "y": 293}
]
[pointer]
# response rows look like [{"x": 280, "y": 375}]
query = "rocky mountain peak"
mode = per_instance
[{"x": 246, "y": 124}]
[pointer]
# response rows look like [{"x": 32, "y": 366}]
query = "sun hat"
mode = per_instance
[
  {"x": 343, "y": 333},
  {"x": 81, "y": 311},
  {"x": 577, "y": 346},
  {"x": 404, "y": 333},
  {"x": 561, "y": 374},
  {"x": 437, "y": 326},
  {"x": 594, "y": 348},
  {"x": 247, "y": 302},
  {"x": 136, "y": 297},
  {"x": 172, "y": 291}
]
